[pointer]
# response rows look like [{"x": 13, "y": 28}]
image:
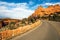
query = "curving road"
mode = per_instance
[{"x": 46, "y": 31}]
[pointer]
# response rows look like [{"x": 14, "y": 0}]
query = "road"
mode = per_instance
[{"x": 46, "y": 31}]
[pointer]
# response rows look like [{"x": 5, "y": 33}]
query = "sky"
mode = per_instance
[{"x": 19, "y": 9}]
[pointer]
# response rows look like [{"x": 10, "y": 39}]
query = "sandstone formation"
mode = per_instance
[{"x": 40, "y": 11}]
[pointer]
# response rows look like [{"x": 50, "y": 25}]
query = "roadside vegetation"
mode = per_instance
[
  {"x": 6, "y": 25},
  {"x": 51, "y": 17}
]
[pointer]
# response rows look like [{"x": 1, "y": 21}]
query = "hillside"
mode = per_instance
[
  {"x": 50, "y": 13},
  {"x": 49, "y": 10}
]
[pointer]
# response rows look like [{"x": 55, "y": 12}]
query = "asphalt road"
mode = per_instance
[{"x": 46, "y": 31}]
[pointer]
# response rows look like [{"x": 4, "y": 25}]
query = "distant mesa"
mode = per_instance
[{"x": 6, "y": 21}]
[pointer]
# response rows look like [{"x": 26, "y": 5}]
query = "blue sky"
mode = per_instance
[{"x": 19, "y": 9}]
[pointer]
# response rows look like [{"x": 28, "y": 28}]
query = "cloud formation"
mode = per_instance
[
  {"x": 48, "y": 4},
  {"x": 15, "y": 10}
]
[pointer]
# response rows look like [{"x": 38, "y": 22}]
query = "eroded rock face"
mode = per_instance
[{"x": 40, "y": 11}]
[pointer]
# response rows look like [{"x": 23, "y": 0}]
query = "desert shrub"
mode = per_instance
[
  {"x": 54, "y": 17},
  {"x": 24, "y": 21},
  {"x": 12, "y": 23},
  {"x": 32, "y": 20},
  {"x": 4, "y": 28}
]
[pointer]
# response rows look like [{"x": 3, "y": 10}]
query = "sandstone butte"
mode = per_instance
[{"x": 40, "y": 11}]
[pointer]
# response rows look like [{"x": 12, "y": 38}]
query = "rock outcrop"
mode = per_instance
[{"x": 40, "y": 11}]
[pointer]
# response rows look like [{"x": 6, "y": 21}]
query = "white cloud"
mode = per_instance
[
  {"x": 51, "y": 3},
  {"x": 45, "y": 5},
  {"x": 48, "y": 4},
  {"x": 15, "y": 10}
]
